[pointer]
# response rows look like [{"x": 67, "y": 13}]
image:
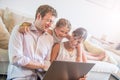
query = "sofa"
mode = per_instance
[{"x": 8, "y": 19}]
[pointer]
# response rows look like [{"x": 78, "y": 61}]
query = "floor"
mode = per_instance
[{"x": 3, "y": 77}]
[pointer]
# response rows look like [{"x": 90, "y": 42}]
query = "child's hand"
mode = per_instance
[{"x": 82, "y": 79}]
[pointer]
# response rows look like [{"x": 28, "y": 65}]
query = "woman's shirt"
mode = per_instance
[{"x": 65, "y": 55}]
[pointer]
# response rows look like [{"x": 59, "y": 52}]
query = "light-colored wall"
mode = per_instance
[{"x": 99, "y": 17}]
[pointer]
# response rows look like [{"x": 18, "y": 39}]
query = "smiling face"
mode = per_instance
[
  {"x": 44, "y": 23},
  {"x": 75, "y": 41},
  {"x": 62, "y": 32},
  {"x": 78, "y": 36},
  {"x": 44, "y": 17},
  {"x": 62, "y": 28}
]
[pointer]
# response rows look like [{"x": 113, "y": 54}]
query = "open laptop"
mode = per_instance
[{"x": 64, "y": 70}]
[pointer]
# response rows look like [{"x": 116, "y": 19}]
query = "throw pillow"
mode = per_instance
[
  {"x": 104, "y": 67},
  {"x": 90, "y": 47},
  {"x": 4, "y": 35},
  {"x": 12, "y": 18},
  {"x": 8, "y": 20},
  {"x": 1, "y": 12}
]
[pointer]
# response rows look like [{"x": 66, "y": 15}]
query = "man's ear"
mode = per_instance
[{"x": 38, "y": 16}]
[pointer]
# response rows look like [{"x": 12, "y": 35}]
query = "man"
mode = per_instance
[{"x": 29, "y": 51}]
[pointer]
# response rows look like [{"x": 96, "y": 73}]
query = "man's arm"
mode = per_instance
[{"x": 16, "y": 55}]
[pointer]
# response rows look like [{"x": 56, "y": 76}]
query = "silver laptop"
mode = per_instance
[{"x": 64, "y": 70}]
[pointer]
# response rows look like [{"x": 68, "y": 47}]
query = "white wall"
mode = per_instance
[{"x": 98, "y": 16}]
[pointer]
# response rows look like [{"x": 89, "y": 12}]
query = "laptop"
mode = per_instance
[
  {"x": 64, "y": 70},
  {"x": 114, "y": 77}
]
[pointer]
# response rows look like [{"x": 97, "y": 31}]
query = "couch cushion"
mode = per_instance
[
  {"x": 104, "y": 67},
  {"x": 8, "y": 20},
  {"x": 1, "y": 12},
  {"x": 4, "y": 35},
  {"x": 4, "y": 61},
  {"x": 4, "y": 55},
  {"x": 11, "y": 19},
  {"x": 91, "y": 47}
]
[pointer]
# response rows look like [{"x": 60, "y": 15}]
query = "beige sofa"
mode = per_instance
[{"x": 8, "y": 19}]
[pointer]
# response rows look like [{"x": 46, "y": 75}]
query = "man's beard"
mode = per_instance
[{"x": 41, "y": 29}]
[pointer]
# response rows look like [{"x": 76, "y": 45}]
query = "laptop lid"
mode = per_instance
[{"x": 64, "y": 70}]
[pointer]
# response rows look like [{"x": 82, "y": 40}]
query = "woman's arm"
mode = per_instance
[
  {"x": 84, "y": 57},
  {"x": 54, "y": 52},
  {"x": 79, "y": 54},
  {"x": 50, "y": 31},
  {"x": 24, "y": 27},
  {"x": 81, "y": 57}
]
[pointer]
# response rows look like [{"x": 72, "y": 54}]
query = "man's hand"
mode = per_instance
[{"x": 46, "y": 65}]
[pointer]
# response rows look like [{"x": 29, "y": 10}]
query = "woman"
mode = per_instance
[{"x": 67, "y": 51}]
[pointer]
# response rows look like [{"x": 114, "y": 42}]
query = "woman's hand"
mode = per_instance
[{"x": 24, "y": 27}]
